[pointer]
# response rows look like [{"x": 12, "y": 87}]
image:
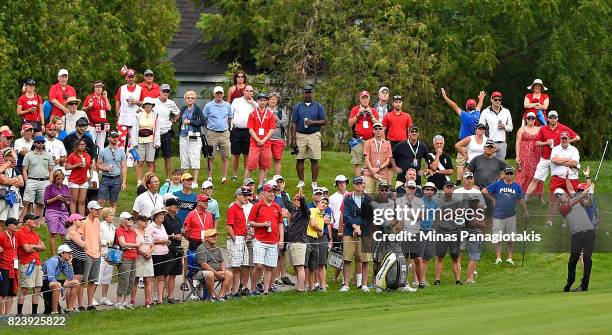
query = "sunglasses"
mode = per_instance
[
  {"x": 470, "y": 177},
  {"x": 358, "y": 183},
  {"x": 553, "y": 117},
  {"x": 411, "y": 188},
  {"x": 531, "y": 118},
  {"x": 189, "y": 98},
  {"x": 148, "y": 75},
  {"x": 73, "y": 103},
  {"x": 509, "y": 173},
  {"x": 166, "y": 91},
  {"x": 129, "y": 76},
  {"x": 239, "y": 76},
  {"x": 414, "y": 131},
  {"x": 39, "y": 142},
  {"x": 248, "y": 90},
  {"x": 377, "y": 128},
  {"x": 81, "y": 125},
  {"x": 497, "y": 100}
]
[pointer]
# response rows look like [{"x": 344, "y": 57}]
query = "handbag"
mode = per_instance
[
  {"x": 114, "y": 255},
  {"x": 145, "y": 132},
  {"x": 177, "y": 250}
]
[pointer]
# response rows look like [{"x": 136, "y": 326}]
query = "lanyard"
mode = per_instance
[
  {"x": 12, "y": 241},
  {"x": 153, "y": 198},
  {"x": 378, "y": 146},
  {"x": 199, "y": 218},
  {"x": 100, "y": 102},
  {"x": 414, "y": 152},
  {"x": 260, "y": 119}
]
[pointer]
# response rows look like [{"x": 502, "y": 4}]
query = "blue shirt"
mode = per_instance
[
  {"x": 217, "y": 115},
  {"x": 469, "y": 121},
  {"x": 168, "y": 187},
  {"x": 213, "y": 207},
  {"x": 53, "y": 267},
  {"x": 505, "y": 197},
  {"x": 187, "y": 202},
  {"x": 429, "y": 214},
  {"x": 114, "y": 159},
  {"x": 313, "y": 112}
]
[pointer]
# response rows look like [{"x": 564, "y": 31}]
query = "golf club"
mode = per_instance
[
  {"x": 601, "y": 161},
  {"x": 523, "y": 251}
]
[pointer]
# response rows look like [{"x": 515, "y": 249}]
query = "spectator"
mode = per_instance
[
  {"x": 125, "y": 237},
  {"x": 283, "y": 199},
  {"x": 239, "y": 135},
  {"x": 408, "y": 154},
  {"x": 127, "y": 105},
  {"x": 8, "y": 286},
  {"x": 176, "y": 251},
  {"x": 382, "y": 106},
  {"x": 474, "y": 243},
  {"x": 536, "y": 102},
  {"x": 397, "y": 122},
  {"x": 296, "y": 238},
  {"x": 498, "y": 121},
  {"x": 377, "y": 156},
  {"x": 426, "y": 251},
  {"x": 218, "y": 116},
  {"x": 145, "y": 202},
  {"x": 486, "y": 167},
  {"x": 213, "y": 266},
  {"x": 335, "y": 204},
  {"x": 439, "y": 164},
  {"x": 6, "y": 140},
  {"x": 470, "y": 147},
  {"x": 504, "y": 194},
  {"x": 53, "y": 267},
  {"x": 316, "y": 250},
  {"x": 149, "y": 89},
  {"x": 266, "y": 218},
  {"x": 166, "y": 113},
  {"x": 144, "y": 262},
  {"x": 24, "y": 144},
  {"x": 361, "y": 120},
  {"x": 469, "y": 120},
  {"x": 97, "y": 105},
  {"x": 237, "y": 251},
  {"x": 261, "y": 126},
  {"x": 146, "y": 137},
  {"x": 160, "y": 255},
  {"x": 37, "y": 167},
  {"x": 59, "y": 126},
  {"x": 107, "y": 239},
  {"x": 357, "y": 210},
  {"x": 71, "y": 139},
  {"x": 10, "y": 182},
  {"x": 190, "y": 137},
  {"x": 411, "y": 227},
  {"x": 113, "y": 169},
  {"x": 29, "y": 107},
  {"x": 411, "y": 174},
  {"x": 91, "y": 234},
  {"x": 57, "y": 202},
  {"x": 79, "y": 163},
  {"x": 278, "y": 136},
  {"x": 58, "y": 93},
  {"x": 565, "y": 160},
  {"x": 185, "y": 197},
  {"x": 55, "y": 147},
  {"x": 306, "y": 121},
  {"x": 449, "y": 230},
  {"x": 237, "y": 90},
  {"x": 197, "y": 221},
  {"x": 72, "y": 114},
  {"x": 77, "y": 244},
  {"x": 29, "y": 245},
  {"x": 213, "y": 205},
  {"x": 173, "y": 185},
  {"x": 528, "y": 154}
]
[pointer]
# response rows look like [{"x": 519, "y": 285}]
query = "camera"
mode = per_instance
[{"x": 294, "y": 150}]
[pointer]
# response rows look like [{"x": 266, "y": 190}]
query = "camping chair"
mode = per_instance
[{"x": 195, "y": 288}]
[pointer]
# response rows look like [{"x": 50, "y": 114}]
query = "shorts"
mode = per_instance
[
  {"x": 309, "y": 145},
  {"x": 240, "y": 139},
  {"x": 297, "y": 253},
  {"x": 371, "y": 184},
  {"x": 473, "y": 249},
  {"x": 411, "y": 249},
  {"x": 34, "y": 280},
  {"x": 237, "y": 252},
  {"x": 144, "y": 267},
  {"x": 6, "y": 285},
  {"x": 83, "y": 186},
  {"x": 35, "y": 191},
  {"x": 278, "y": 146},
  {"x": 352, "y": 247},
  {"x": 357, "y": 154},
  {"x": 78, "y": 266},
  {"x": 453, "y": 247},
  {"x": 504, "y": 226},
  {"x": 189, "y": 152},
  {"x": 146, "y": 152},
  {"x": 558, "y": 182},
  {"x": 160, "y": 265},
  {"x": 7, "y": 211},
  {"x": 323, "y": 250},
  {"x": 542, "y": 169},
  {"x": 91, "y": 271},
  {"x": 426, "y": 250},
  {"x": 165, "y": 144},
  {"x": 312, "y": 254},
  {"x": 266, "y": 254},
  {"x": 219, "y": 141},
  {"x": 259, "y": 157},
  {"x": 106, "y": 272},
  {"x": 460, "y": 161},
  {"x": 109, "y": 188}
]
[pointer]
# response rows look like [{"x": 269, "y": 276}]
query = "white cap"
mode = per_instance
[
  {"x": 125, "y": 215},
  {"x": 271, "y": 183},
  {"x": 277, "y": 177},
  {"x": 93, "y": 205},
  {"x": 207, "y": 184},
  {"x": 383, "y": 88},
  {"x": 553, "y": 112},
  {"x": 430, "y": 185},
  {"x": 340, "y": 177},
  {"x": 169, "y": 196},
  {"x": 63, "y": 248},
  {"x": 559, "y": 191},
  {"x": 156, "y": 211},
  {"x": 324, "y": 189},
  {"x": 411, "y": 183},
  {"x": 218, "y": 89},
  {"x": 377, "y": 123},
  {"x": 62, "y": 72},
  {"x": 531, "y": 114}
]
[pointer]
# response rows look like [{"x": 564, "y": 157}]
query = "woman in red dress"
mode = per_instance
[
  {"x": 537, "y": 102},
  {"x": 237, "y": 90},
  {"x": 528, "y": 154}
]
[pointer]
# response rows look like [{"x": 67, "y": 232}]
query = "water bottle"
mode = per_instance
[
  {"x": 135, "y": 154},
  {"x": 30, "y": 268},
  {"x": 270, "y": 228}
]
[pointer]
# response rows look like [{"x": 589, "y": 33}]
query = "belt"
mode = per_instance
[
  {"x": 111, "y": 177},
  {"x": 39, "y": 179},
  {"x": 220, "y": 132},
  {"x": 500, "y": 141}
]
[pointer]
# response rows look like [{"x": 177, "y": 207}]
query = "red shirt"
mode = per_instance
[
  {"x": 9, "y": 246},
  {"x": 196, "y": 222},
  {"x": 152, "y": 92},
  {"x": 543, "y": 97},
  {"x": 27, "y": 103},
  {"x": 261, "y": 212},
  {"x": 79, "y": 174},
  {"x": 397, "y": 125},
  {"x": 129, "y": 88},
  {"x": 546, "y": 133},
  {"x": 98, "y": 113},
  {"x": 56, "y": 92},
  {"x": 361, "y": 131},
  {"x": 23, "y": 236},
  {"x": 236, "y": 219},
  {"x": 261, "y": 123},
  {"x": 130, "y": 237}
]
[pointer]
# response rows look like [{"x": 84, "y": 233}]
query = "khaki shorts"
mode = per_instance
[
  {"x": 33, "y": 280},
  {"x": 309, "y": 145},
  {"x": 371, "y": 184},
  {"x": 357, "y": 154},
  {"x": 219, "y": 141},
  {"x": 460, "y": 161},
  {"x": 352, "y": 247},
  {"x": 297, "y": 253}
]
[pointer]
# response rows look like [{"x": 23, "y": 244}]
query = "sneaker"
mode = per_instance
[
  {"x": 498, "y": 261},
  {"x": 322, "y": 289},
  {"x": 549, "y": 223},
  {"x": 273, "y": 288},
  {"x": 407, "y": 288},
  {"x": 436, "y": 282},
  {"x": 300, "y": 184},
  {"x": 259, "y": 287},
  {"x": 470, "y": 281},
  {"x": 154, "y": 298},
  {"x": 245, "y": 292},
  {"x": 128, "y": 305},
  {"x": 141, "y": 283},
  {"x": 171, "y": 301},
  {"x": 279, "y": 282},
  {"x": 510, "y": 261},
  {"x": 106, "y": 301},
  {"x": 119, "y": 306},
  {"x": 92, "y": 308},
  {"x": 148, "y": 306},
  {"x": 422, "y": 285},
  {"x": 365, "y": 289},
  {"x": 234, "y": 178},
  {"x": 344, "y": 288},
  {"x": 192, "y": 297},
  {"x": 223, "y": 180},
  {"x": 95, "y": 302},
  {"x": 415, "y": 283},
  {"x": 81, "y": 308},
  {"x": 287, "y": 281},
  {"x": 475, "y": 272},
  {"x": 221, "y": 300}
]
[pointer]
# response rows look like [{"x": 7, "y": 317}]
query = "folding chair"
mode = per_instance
[{"x": 194, "y": 289}]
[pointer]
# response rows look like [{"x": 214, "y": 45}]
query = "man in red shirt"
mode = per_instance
[
  {"x": 267, "y": 219},
  {"x": 197, "y": 221},
  {"x": 59, "y": 92},
  {"x": 261, "y": 125},
  {"x": 29, "y": 245},
  {"x": 361, "y": 120},
  {"x": 397, "y": 122},
  {"x": 237, "y": 250},
  {"x": 8, "y": 265},
  {"x": 150, "y": 89}
]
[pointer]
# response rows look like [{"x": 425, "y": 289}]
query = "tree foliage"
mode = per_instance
[
  {"x": 415, "y": 47},
  {"x": 92, "y": 39}
]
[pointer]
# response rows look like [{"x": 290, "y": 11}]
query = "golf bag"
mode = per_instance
[{"x": 392, "y": 272}]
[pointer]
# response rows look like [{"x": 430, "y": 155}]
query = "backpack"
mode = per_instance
[{"x": 392, "y": 272}]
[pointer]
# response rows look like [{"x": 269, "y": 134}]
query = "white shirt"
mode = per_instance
[
  {"x": 70, "y": 120},
  {"x": 146, "y": 202},
  {"x": 241, "y": 108},
  {"x": 56, "y": 149},
  {"x": 491, "y": 119},
  {"x": 163, "y": 110},
  {"x": 415, "y": 207},
  {"x": 107, "y": 235},
  {"x": 335, "y": 203},
  {"x": 247, "y": 209},
  {"x": 570, "y": 152},
  {"x": 461, "y": 193},
  {"x": 21, "y": 144}
]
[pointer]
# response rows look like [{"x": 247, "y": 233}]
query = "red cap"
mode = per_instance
[
  {"x": 130, "y": 72},
  {"x": 7, "y": 133},
  {"x": 26, "y": 126},
  {"x": 564, "y": 134},
  {"x": 50, "y": 126},
  {"x": 364, "y": 93},
  {"x": 470, "y": 103},
  {"x": 202, "y": 197},
  {"x": 582, "y": 186},
  {"x": 269, "y": 188},
  {"x": 496, "y": 94}
]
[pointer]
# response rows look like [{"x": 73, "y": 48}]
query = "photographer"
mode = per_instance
[{"x": 361, "y": 120}]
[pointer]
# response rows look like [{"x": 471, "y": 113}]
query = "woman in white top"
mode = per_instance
[
  {"x": 472, "y": 146},
  {"x": 145, "y": 136},
  {"x": 107, "y": 239}
]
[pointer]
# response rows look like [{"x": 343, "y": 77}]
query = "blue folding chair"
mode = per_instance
[{"x": 192, "y": 269}]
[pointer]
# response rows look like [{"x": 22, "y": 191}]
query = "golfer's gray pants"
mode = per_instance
[{"x": 501, "y": 152}]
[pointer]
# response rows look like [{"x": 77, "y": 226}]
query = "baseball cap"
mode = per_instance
[
  {"x": 10, "y": 221},
  {"x": 468, "y": 174},
  {"x": 50, "y": 126},
  {"x": 82, "y": 121},
  {"x": 481, "y": 126},
  {"x": 564, "y": 134},
  {"x": 125, "y": 216},
  {"x": 30, "y": 82},
  {"x": 324, "y": 189},
  {"x": 317, "y": 190},
  {"x": 384, "y": 88},
  {"x": 62, "y": 72},
  {"x": 414, "y": 128},
  {"x": 490, "y": 144},
  {"x": 30, "y": 216},
  {"x": 75, "y": 217},
  {"x": 364, "y": 94},
  {"x": 130, "y": 72},
  {"x": 358, "y": 179},
  {"x": 242, "y": 191},
  {"x": 377, "y": 124},
  {"x": 262, "y": 96},
  {"x": 383, "y": 185},
  {"x": 340, "y": 177},
  {"x": 430, "y": 185},
  {"x": 218, "y": 89},
  {"x": 98, "y": 83},
  {"x": 171, "y": 202},
  {"x": 148, "y": 71},
  {"x": 248, "y": 181},
  {"x": 113, "y": 133},
  {"x": 559, "y": 191},
  {"x": 207, "y": 184},
  {"x": 532, "y": 114},
  {"x": 553, "y": 112},
  {"x": 471, "y": 103},
  {"x": 202, "y": 198},
  {"x": 398, "y": 97},
  {"x": 509, "y": 170},
  {"x": 26, "y": 126},
  {"x": 269, "y": 188},
  {"x": 496, "y": 94},
  {"x": 164, "y": 87},
  {"x": 93, "y": 205},
  {"x": 210, "y": 232},
  {"x": 411, "y": 183},
  {"x": 449, "y": 183},
  {"x": 186, "y": 176},
  {"x": 307, "y": 88},
  {"x": 39, "y": 138},
  {"x": 7, "y": 133},
  {"x": 277, "y": 177},
  {"x": 169, "y": 196},
  {"x": 63, "y": 248}
]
